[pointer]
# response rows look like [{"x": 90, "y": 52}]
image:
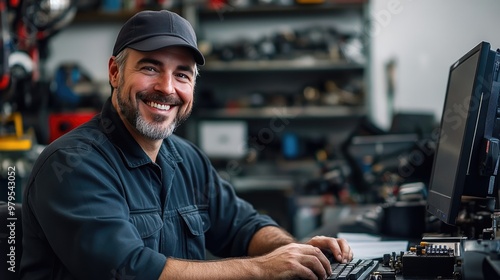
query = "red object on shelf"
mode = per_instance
[
  {"x": 61, "y": 123},
  {"x": 217, "y": 4}
]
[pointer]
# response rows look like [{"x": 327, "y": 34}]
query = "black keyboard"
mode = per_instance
[{"x": 357, "y": 269}]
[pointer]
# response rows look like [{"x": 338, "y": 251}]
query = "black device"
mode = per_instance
[
  {"x": 466, "y": 157},
  {"x": 429, "y": 261}
]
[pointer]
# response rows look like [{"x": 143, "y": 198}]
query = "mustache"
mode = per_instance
[{"x": 160, "y": 98}]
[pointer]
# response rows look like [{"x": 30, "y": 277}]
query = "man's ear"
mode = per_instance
[{"x": 113, "y": 72}]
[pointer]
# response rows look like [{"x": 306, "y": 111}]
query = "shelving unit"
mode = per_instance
[
  {"x": 255, "y": 89},
  {"x": 280, "y": 65},
  {"x": 311, "y": 112}
]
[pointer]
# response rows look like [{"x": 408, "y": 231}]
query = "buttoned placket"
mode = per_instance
[{"x": 167, "y": 168}]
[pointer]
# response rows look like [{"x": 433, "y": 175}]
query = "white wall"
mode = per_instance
[
  {"x": 89, "y": 45},
  {"x": 424, "y": 37}
]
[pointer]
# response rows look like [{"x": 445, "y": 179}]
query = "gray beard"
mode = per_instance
[{"x": 154, "y": 130}]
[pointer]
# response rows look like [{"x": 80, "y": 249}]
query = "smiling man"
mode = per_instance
[
  {"x": 122, "y": 197},
  {"x": 163, "y": 81}
]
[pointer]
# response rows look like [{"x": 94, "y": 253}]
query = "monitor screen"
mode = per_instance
[{"x": 460, "y": 146}]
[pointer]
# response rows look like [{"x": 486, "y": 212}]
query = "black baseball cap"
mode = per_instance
[{"x": 153, "y": 30}]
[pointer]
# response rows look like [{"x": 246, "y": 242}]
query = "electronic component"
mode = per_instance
[{"x": 429, "y": 260}]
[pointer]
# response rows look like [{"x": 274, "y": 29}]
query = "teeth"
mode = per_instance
[{"x": 159, "y": 106}]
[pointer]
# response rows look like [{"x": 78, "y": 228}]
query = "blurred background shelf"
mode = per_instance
[
  {"x": 305, "y": 64},
  {"x": 315, "y": 112}
]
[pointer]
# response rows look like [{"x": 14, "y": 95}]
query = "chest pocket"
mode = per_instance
[
  {"x": 148, "y": 224},
  {"x": 196, "y": 222}
]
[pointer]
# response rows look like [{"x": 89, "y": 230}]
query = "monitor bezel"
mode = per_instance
[{"x": 445, "y": 207}]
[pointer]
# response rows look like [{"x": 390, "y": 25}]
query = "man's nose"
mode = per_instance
[{"x": 165, "y": 84}]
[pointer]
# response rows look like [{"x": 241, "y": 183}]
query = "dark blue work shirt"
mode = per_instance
[{"x": 97, "y": 207}]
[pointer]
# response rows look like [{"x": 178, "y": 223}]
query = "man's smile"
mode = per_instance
[{"x": 163, "y": 107}]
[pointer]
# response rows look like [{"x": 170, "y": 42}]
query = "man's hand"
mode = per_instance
[
  {"x": 274, "y": 254},
  {"x": 291, "y": 261},
  {"x": 294, "y": 261},
  {"x": 282, "y": 251},
  {"x": 337, "y": 246}
]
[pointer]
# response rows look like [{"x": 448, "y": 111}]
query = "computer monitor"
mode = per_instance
[{"x": 465, "y": 161}]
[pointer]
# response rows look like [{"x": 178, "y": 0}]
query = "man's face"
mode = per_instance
[{"x": 154, "y": 92}]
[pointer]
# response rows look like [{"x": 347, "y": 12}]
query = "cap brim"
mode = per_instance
[{"x": 159, "y": 42}]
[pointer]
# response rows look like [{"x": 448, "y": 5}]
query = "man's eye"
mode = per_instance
[
  {"x": 149, "y": 69},
  {"x": 186, "y": 76}
]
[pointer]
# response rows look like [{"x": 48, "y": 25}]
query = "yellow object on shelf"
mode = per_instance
[{"x": 17, "y": 141}]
